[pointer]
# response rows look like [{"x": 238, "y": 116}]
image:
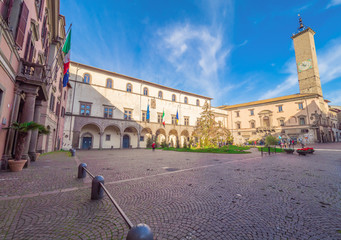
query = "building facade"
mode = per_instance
[
  {"x": 109, "y": 110},
  {"x": 31, "y": 34}
]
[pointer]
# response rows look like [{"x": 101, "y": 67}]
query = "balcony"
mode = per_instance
[
  {"x": 36, "y": 75},
  {"x": 265, "y": 129}
]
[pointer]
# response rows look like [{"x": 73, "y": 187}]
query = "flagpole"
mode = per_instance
[{"x": 60, "y": 47}]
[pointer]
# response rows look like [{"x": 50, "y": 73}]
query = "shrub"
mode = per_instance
[
  {"x": 149, "y": 142},
  {"x": 270, "y": 140}
]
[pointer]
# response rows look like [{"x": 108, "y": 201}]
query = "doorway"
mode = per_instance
[{"x": 126, "y": 141}]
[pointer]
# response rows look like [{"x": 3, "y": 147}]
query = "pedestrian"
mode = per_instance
[{"x": 153, "y": 146}]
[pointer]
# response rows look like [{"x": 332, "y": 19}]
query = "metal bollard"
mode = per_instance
[
  {"x": 140, "y": 232},
  {"x": 261, "y": 151},
  {"x": 96, "y": 189},
  {"x": 81, "y": 170},
  {"x": 269, "y": 150}
]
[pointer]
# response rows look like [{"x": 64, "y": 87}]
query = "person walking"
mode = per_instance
[{"x": 153, "y": 146}]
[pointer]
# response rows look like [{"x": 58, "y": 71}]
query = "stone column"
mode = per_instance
[
  {"x": 34, "y": 134},
  {"x": 138, "y": 140},
  {"x": 10, "y": 134},
  {"x": 121, "y": 141},
  {"x": 27, "y": 116},
  {"x": 100, "y": 140}
]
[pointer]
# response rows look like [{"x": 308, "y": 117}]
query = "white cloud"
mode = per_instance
[
  {"x": 198, "y": 53},
  {"x": 333, "y": 3},
  {"x": 334, "y": 97}
]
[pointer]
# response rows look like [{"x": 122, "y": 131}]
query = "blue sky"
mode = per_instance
[{"x": 233, "y": 51}]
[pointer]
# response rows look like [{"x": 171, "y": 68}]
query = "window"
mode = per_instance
[
  {"x": 173, "y": 98},
  {"x": 300, "y": 106},
  {"x": 52, "y": 100},
  {"x": 253, "y": 124},
  {"x": 57, "y": 108},
  {"x": 302, "y": 121},
  {"x": 186, "y": 100},
  {"x": 129, "y": 87},
  {"x": 85, "y": 109},
  {"x": 19, "y": 39},
  {"x": 64, "y": 95},
  {"x": 238, "y": 125},
  {"x": 141, "y": 138},
  {"x": 160, "y": 95},
  {"x": 186, "y": 121},
  {"x": 144, "y": 116},
  {"x": 127, "y": 114},
  {"x": 198, "y": 102},
  {"x": 174, "y": 122},
  {"x": 281, "y": 122},
  {"x": 280, "y": 108},
  {"x": 252, "y": 113},
  {"x": 159, "y": 117},
  {"x": 107, "y": 137},
  {"x": 108, "y": 112},
  {"x": 254, "y": 133},
  {"x": 145, "y": 91},
  {"x": 237, "y": 114},
  {"x": 86, "y": 78},
  {"x": 109, "y": 83}
]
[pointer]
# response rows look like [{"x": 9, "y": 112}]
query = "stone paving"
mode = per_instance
[{"x": 179, "y": 195}]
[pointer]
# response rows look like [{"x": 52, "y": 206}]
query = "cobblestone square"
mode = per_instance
[{"x": 179, "y": 195}]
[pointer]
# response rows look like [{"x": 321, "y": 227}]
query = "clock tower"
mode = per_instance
[{"x": 306, "y": 60}]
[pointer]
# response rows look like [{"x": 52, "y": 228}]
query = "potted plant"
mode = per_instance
[
  {"x": 304, "y": 151},
  {"x": 17, "y": 164}
]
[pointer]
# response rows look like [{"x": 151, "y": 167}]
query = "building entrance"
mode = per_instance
[
  {"x": 126, "y": 141},
  {"x": 87, "y": 141}
]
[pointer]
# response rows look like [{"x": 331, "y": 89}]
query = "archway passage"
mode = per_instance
[
  {"x": 184, "y": 138},
  {"x": 173, "y": 138},
  {"x": 90, "y": 136},
  {"x": 132, "y": 133},
  {"x": 126, "y": 141},
  {"x": 146, "y": 134},
  {"x": 111, "y": 137}
]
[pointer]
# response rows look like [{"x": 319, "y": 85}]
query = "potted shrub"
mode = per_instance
[{"x": 17, "y": 164}]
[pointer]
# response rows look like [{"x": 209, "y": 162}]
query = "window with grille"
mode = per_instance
[
  {"x": 85, "y": 109},
  {"x": 186, "y": 121},
  {"x": 108, "y": 112},
  {"x": 127, "y": 114}
]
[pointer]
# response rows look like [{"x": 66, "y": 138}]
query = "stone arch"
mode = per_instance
[
  {"x": 184, "y": 137},
  {"x": 133, "y": 133},
  {"x": 111, "y": 137},
  {"x": 173, "y": 137},
  {"x": 91, "y": 123},
  {"x": 145, "y": 134},
  {"x": 90, "y": 136},
  {"x": 160, "y": 135}
]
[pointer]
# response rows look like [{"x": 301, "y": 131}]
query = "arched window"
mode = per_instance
[
  {"x": 186, "y": 100},
  {"x": 198, "y": 102},
  {"x": 129, "y": 87},
  {"x": 160, "y": 95},
  {"x": 145, "y": 91},
  {"x": 86, "y": 78},
  {"x": 266, "y": 121},
  {"x": 173, "y": 98},
  {"x": 109, "y": 83}
]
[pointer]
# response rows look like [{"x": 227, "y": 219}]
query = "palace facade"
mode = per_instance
[{"x": 108, "y": 110}]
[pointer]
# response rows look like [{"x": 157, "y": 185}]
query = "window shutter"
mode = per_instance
[
  {"x": 31, "y": 53},
  {"x": 41, "y": 8},
  {"x": 19, "y": 40}
]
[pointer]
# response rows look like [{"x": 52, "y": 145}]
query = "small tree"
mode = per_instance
[
  {"x": 149, "y": 142},
  {"x": 270, "y": 140},
  {"x": 185, "y": 143},
  {"x": 209, "y": 131},
  {"x": 23, "y": 129},
  {"x": 164, "y": 143}
]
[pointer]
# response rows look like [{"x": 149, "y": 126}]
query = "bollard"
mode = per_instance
[
  {"x": 261, "y": 151},
  {"x": 140, "y": 232},
  {"x": 275, "y": 149},
  {"x": 269, "y": 150},
  {"x": 81, "y": 170},
  {"x": 96, "y": 189}
]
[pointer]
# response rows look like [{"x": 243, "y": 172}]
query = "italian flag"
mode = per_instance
[
  {"x": 66, "y": 50},
  {"x": 163, "y": 118}
]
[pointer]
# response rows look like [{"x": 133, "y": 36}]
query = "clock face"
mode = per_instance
[{"x": 304, "y": 65}]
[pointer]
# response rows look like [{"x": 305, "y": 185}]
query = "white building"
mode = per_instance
[{"x": 109, "y": 110}]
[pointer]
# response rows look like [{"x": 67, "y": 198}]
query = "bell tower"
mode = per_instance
[{"x": 306, "y": 60}]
